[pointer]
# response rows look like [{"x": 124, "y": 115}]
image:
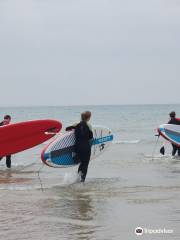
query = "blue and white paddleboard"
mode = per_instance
[
  {"x": 60, "y": 152},
  {"x": 171, "y": 133}
]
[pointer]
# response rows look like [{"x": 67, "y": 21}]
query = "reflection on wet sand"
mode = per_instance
[
  {"x": 7, "y": 177},
  {"x": 76, "y": 213},
  {"x": 82, "y": 210}
]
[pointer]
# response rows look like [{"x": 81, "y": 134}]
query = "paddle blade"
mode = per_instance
[{"x": 162, "y": 150}]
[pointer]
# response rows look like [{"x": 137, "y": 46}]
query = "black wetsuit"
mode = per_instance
[
  {"x": 8, "y": 158},
  {"x": 175, "y": 148},
  {"x": 83, "y": 135}
]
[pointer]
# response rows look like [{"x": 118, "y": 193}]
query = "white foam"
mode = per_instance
[{"x": 70, "y": 178}]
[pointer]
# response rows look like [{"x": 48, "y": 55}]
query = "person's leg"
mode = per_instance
[
  {"x": 80, "y": 168},
  {"x": 179, "y": 151},
  {"x": 174, "y": 150},
  {"x": 76, "y": 159},
  {"x": 79, "y": 156},
  {"x": 84, "y": 165},
  {"x": 8, "y": 161}
]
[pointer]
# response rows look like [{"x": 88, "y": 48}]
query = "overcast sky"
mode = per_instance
[{"x": 66, "y": 52}]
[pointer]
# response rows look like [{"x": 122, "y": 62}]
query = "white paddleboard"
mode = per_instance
[{"x": 60, "y": 152}]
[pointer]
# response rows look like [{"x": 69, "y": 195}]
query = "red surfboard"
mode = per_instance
[{"x": 18, "y": 137}]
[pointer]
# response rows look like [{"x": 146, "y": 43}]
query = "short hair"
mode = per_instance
[
  {"x": 85, "y": 115},
  {"x": 6, "y": 117},
  {"x": 172, "y": 114}
]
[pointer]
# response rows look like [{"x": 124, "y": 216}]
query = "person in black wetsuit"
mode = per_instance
[
  {"x": 6, "y": 121},
  {"x": 83, "y": 136},
  {"x": 174, "y": 120}
]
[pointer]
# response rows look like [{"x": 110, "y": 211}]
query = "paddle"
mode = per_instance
[
  {"x": 157, "y": 135},
  {"x": 162, "y": 150}
]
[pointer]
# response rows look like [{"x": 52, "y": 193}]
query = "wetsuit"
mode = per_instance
[
  {"x": 8, "y": 158},
  {"x": 83, "y": 135},
  {"x": 175, "y": 121}
]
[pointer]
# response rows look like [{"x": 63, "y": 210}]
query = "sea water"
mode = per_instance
[{"x": 129, "y": 186}]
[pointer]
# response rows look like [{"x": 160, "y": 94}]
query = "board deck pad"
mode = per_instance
[
  {"x": 61, "y": 152},
  {"x": 21, "y": 136},
  {"x": 171, "y": 133}
]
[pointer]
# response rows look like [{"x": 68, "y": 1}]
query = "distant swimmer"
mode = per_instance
[
  {"x": 174, "y": 120},
  {"x": 6, "y": 121},
  {"x": 83, "y": 136}
]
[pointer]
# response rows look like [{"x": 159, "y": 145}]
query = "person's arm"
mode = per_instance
[
  {"x": 170, "y": 122},
  {"x": 90, "y": 131},
  {"x": 70, "y": 128},
  {"x": 90, "y": 134}
]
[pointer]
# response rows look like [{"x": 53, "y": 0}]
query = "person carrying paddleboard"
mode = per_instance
[
  {"x": 83, "y": 137},
  {"x": 6, "y": 121},
  {"x": 174, "y": 120}
]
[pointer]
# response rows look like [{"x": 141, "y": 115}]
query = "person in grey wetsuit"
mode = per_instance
[{"x": 83, "y": 137}]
